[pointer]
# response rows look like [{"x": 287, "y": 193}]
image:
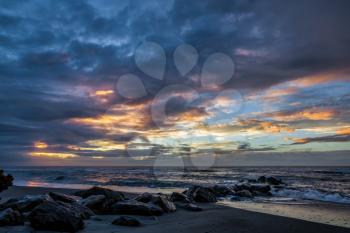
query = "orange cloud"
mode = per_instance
[
  {"x": 104, "y": 92},
  {"x": 343, "y": 131},
  {"x": 274, "y": 94},
  {"x": 40, "y": 145},
  {"x": 299, "y": 140},
  {"x": 315, "y": 114},
  {"x": 321, "y": 78},
  {"x": 119, "y": 118},
  {"x": 53, "y": 155},
  {"x": 266, "y": 126}
]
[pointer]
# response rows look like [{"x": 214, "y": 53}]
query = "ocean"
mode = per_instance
[{"x": 303, "y": 184}]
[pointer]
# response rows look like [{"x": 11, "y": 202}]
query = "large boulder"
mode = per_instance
[
  {"x": 109, "y": 194},
  {"x": 5, "y": 181},
  {"x": 271, "y": 180},
  {"x": 25, "y": 204},
  {"x": 145, "y": 197},
  {"x": 261, "y": 190},
  {"x": 10, "y": 217},
  {"x": 222, "y": 191},
  {"x": 244, "y": 193},
  {"x": 160, "y": 200},
  {"x": 179, "y": 197},
  {"x": 99, "y": 204},
  {"x": 99, "y": 199},
  {"x": 126, "y": 221},
  {"x": 201, "y": 194},
  {"x": 64, "y": 197},
  {"x": 241, "y": 187},
  {"x": 134, "y": 207},
  {"x": 274, "y": 181},
  {"x": 54, "y": 216},
  {"x": 79, "y": 210},
  {"x": 163, "y": 202}
]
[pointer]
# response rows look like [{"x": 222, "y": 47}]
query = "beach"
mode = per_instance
[{"x": 218, "y": 217}]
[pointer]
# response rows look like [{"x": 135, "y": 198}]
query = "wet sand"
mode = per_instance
[{"x": 215, "y": 218}]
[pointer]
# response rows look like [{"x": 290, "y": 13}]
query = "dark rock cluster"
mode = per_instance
[
  {"x": 5, "y": 181},
  {"x": 62, "y": 212}
]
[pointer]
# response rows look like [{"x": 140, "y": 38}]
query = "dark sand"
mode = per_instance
[{"x": 214, "y": 219}]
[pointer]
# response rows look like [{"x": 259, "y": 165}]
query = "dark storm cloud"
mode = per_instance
[{"x": 49, "y": 46}]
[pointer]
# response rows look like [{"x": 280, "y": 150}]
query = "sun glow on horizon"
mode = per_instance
[
  {"x": 53, "y": 155},
  {"x": 41, "y": 145}
]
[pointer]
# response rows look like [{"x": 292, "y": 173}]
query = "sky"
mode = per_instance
[{"x": 227, "y": 82}]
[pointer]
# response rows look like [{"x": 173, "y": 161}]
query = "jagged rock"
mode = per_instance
[
  {"x": 10, "y": 217},
  {"x": 55, "y": 217},
  {"x": 274, "y": 181},
  {"x": 97, "y": 203},
  {"x": 222, "y": 191},
  {"x": 271, "y": 180},
  {"x": 126, "y": 221},
  {"x": 158, "y": 199},
  {"x": 261, "y": 190},
  {"x": 201, "y": 194},
  {"x": 244, "y": 193},
  {"x": 64, "y": 197},
  {"x": 5, "y": 181},
  {"x": 144, "y": 197},
  {"x": 136, "y": 208},
  {"x": 262, "y": 179},
  {"x": 192, "y": 207},
  {"x": 25, "y": 204},
  {"x": 163, "y": 202},
  {"x": 179, "y": 197},
  {"x": 240, "y": 187},
  {"x": 79, "y": 210},
  {"x": 109, "y": 194}
]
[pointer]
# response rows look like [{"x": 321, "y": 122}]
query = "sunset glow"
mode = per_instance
[{"x": 40, "y": 145}]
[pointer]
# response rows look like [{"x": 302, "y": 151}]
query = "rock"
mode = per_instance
[
  {"x": 264, "y": 189},
  {"x": 97, "y": 203},
  {"x": 222, "y": 191},
  {"x": 201, "y": 194},
  {"x": 127, "y": 221},
  {"x": 240, "y": 187},
  {"x": 166, "y": 205},
  {"x": 179, "y": 197},
  {"x": 8, "y": 204},
  {"x": 5, "y": 181},
  {"x": 64, "y": 197},
  {"x": 100, "y": 200},
  {"x": 55, "y": 217},
  {"x": 244, "y": 193},
  {"x": 136, "y": 208},
  {"x": 159, "y": 199},
  {"x": 262, "y": 179},
  {"x": 10, "y": 217},
  {"x": 192, "y": 207},
  {"x": 145, "y": 197},
  {"x": 26, "y": 204},
  {"x": 274, "y": 181},
  {"x": 79, "y": 210},
  {"x": 271, "y": 180},
  {"x": 109, "y": 194}
]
